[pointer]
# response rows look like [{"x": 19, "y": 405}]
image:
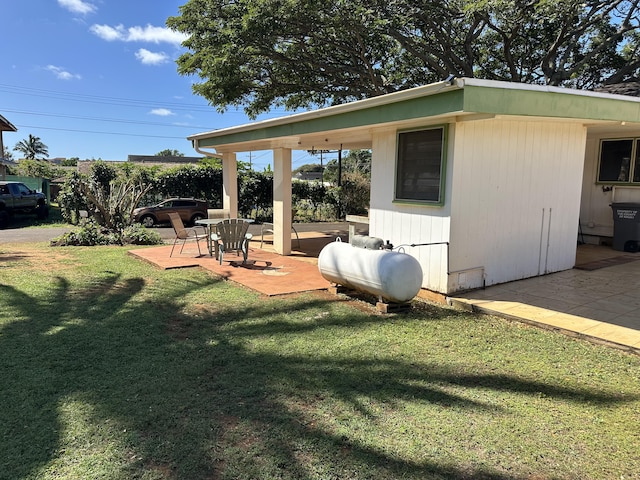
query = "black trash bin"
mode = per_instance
[{"x": 626, "y": 226}]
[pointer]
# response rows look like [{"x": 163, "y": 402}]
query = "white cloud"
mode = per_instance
[
  {"x": 162, "y": 112},
  {"x": 108, "y": 33},
  {"x": 155, "y": 35},
  {"x": 61, "y": 73},
  {"x": 151, "y": 58},
  {"x": 78, "y": 6},
  {"x": 149, "y": 34}
]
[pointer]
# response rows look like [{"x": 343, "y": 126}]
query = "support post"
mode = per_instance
[
  {"x": 282, "y": 201},
  {"x": 230, "y": 184}
]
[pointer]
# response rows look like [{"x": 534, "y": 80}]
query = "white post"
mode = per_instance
[
  {"x": 230, "y": 184},
  {"x": 282, "y": 201}
]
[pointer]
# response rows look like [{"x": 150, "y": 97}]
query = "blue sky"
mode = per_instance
[{"x": 97, "y": 79}]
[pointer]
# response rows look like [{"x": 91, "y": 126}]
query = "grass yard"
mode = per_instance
[{"x": 113, "y": 369}]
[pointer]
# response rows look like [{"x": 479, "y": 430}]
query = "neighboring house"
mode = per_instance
[
  {"x": 492, "y": 181},
  {"x": 171, "y": 161},
  {"x": 308, "y": 176},
  {"x": 5, "y": 126}
]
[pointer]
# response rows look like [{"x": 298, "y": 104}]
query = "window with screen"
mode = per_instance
[{"x": 420, "y": 166}]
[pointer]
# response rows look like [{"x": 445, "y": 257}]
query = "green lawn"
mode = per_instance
[{"x": 113, "y": 369}]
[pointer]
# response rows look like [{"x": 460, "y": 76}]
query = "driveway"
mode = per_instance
[{"x": 46, "y": 234}]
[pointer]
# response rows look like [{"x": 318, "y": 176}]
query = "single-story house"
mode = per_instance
[
  {"x": 5, "y": 126},
  {"x": 484, "y": 182}
]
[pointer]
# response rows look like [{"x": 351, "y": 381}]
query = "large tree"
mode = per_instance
[
  {"x": 32, "y": 148},
  {"x": 258, "y": 54}
]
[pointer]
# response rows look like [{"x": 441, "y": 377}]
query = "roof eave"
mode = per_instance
[
  {"x": 6, "y": 125},
  {"x": 367, "y": 103}
]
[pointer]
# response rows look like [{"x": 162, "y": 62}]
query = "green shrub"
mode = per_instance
[
  {"x": 90, "y": 234},
  {"x": 136, "y": 234}
]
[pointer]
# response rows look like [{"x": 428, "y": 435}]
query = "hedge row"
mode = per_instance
[{"x": 312, "y": 201}]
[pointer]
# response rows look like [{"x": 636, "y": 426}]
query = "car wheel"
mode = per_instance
[
  {"x": 148, "y": 221},
  {"x": 42, "y": 211},
  {"x": 196, "y": 217},
  {"x": 4, "y": 219}
]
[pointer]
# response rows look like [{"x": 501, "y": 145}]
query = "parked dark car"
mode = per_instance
[
  {"x": 189, "y": 209},
  {"x": 16, "y": 197}
]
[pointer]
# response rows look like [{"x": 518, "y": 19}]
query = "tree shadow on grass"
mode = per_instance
[{"x": 186, "y": 396}]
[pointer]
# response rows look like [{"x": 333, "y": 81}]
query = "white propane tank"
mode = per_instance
[{"x": 394, "y": 276}]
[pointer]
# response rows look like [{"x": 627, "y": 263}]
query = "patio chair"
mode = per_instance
[
  {"x": 231, "y": 234},
  {"x": 268, "y": 228},
  {"x": 184, "y": 234}
]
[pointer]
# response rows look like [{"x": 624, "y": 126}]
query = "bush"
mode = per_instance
[
  {"x": 136, "y": 234},
  {"x": 90, "y": 234},
  {"x": 255, "y": 192},
  {"x": 203, "y": 182}
]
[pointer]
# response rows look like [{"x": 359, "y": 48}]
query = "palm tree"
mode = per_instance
[{"x": 32, "y": 147}]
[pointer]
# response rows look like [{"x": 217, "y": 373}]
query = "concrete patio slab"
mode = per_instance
[
  {"x": 265, "y": 271},
  {"x": 599, "y": 302}
]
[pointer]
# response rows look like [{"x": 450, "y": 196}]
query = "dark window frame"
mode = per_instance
[
  {"x": 619, "y": 165},
  {"x": 415, "y": 165}
]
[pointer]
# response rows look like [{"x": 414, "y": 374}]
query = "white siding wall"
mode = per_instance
[
  {"x": 407, "y": 224},
  {"x": 515, "y": 199},
  {"x": 596, "y": 216}
]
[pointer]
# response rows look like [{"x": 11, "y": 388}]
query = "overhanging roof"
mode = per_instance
[
  {"x": 6, "y": 125},
  {"x": 350, "y": 125}
]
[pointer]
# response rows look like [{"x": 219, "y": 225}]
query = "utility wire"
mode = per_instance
[
  {"x": 101, "y": 133},
  {"x": 127, "y": 102},
  {"x": 119, "y": 101},
  {"x": 99, "y": 119}
]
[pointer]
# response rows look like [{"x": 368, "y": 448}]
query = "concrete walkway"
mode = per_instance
[{"x": 598, "y": 300}]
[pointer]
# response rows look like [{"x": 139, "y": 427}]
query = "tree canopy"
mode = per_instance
[
  {"x": 259, "y": 54},
  {"x": 167, "y": 152}
]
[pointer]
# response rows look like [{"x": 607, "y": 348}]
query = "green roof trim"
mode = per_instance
[
  {"x": 427, "y": 106},
  {"x": 537, "y": 103}
]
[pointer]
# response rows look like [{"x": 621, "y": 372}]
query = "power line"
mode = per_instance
[
  {"x": 126, "y": 102},
  {"x": 101, "y": 133},
  {"x": 99, "y": 119},
  {"x": 119, "y": 101}
]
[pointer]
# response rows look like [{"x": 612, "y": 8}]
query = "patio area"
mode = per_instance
[
  {"x": 265, "y": 272},
  {"x": 597, "y": 300}
]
